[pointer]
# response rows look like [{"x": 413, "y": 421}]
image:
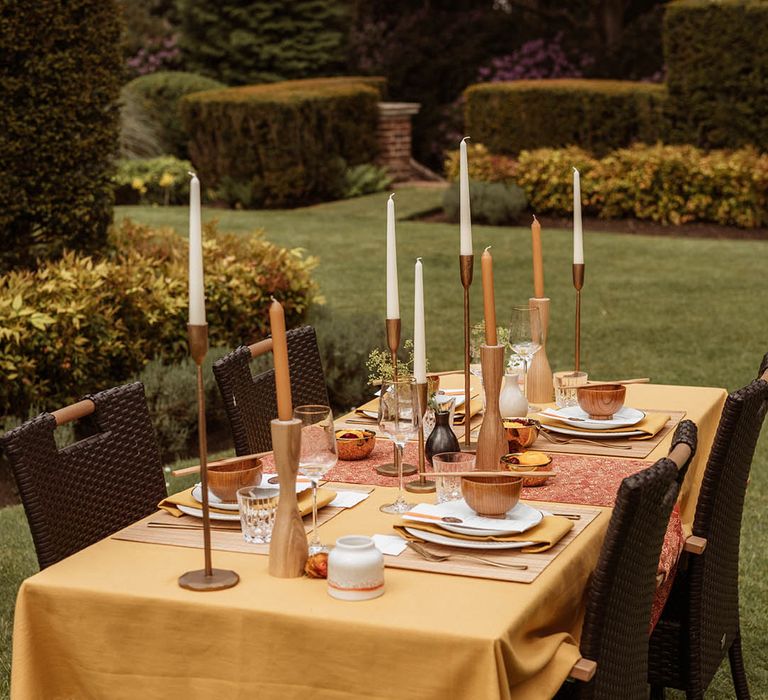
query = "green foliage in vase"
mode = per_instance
[
  {"x": 493, "y": 203},
  {"x": 264, "y": 40},
  {"x": 379, "y": 363},
  {"x": 163, "y": 180},
  {"x": 60, "y": 79}
]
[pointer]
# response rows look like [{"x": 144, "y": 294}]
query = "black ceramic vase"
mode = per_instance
[{"x": 442, "y": 438}]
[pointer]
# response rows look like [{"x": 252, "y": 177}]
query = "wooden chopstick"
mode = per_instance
[
  {"x": 638, "y": 380},
  {"x": 489, "y": 473}
]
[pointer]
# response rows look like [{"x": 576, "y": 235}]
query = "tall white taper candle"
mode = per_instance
[
  {"x": 393, "y": 297},
  {"x": 196, "y": 287},
  {"x": 465, "y": 216},
  {"x": 578, "y": 242},
  {"x": 419, "y": 335}
]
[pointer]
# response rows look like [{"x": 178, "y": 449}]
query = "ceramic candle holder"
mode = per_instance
[{"x": 355, "y": 569}]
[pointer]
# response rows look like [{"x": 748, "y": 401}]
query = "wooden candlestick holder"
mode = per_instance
[
  {"x": 540, "y": 389},
  {"x": 422, "y": 484},
  {"x": 393, "y": 343},
  {"x": 208, "y": 578},
  {"x": 578, "y": 283},
  {"x": 491, "y": 443},
  {"x": 288, "y": 549},
  {"x": 466, "y": 272}
]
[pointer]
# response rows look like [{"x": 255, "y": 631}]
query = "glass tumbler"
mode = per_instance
[
  {"x": 566, "y": 384},
  {"x": 449, "y": 487},
  {"x": 257, "y": 513}
]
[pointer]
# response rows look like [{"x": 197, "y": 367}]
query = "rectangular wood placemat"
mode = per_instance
[{"x": 459, "y": 566}]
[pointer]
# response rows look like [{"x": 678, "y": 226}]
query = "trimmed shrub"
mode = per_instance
[
  {"x": 163, "y": 180},
  {"x": 493, "y": 203},
  {"x": 264, "y": 40},
  {"x": 597, "y": 115},
  {"x": 283, "y": 144},
  {"x": 60, "y": 79},
  {"x": 81, "y": 324},
  {"x": 717, "y": 61},
  {"x": 481, "y": 164},
  {"x": 159, "y": 94}
]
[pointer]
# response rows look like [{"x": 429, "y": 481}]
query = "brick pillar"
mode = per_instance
[{"x": 394, "y": 136}]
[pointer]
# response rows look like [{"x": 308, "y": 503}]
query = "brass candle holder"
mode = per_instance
[
  {"x": 491, "y": 443},
  {"x": 422, "y": 484},
  {"x": 466, "y": 271},
  {"x": 393, "y": 342},
  {"x": 578, "y": 283},
  {"x": 208, "y": 578},
  {"x": 540, "y": 389}
]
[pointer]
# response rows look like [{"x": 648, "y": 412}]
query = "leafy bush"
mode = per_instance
[
  {"x": 264, "y": 40},
  {"x": 481, "y": 164},
  {"x": 283, "y": 144},
  {"x": 493, "y": 203},
  {"x": 365, "y": 178},
  {"x": 139, "y": 136},
  {"x": 81, "y": 324},
  {"x": 598, "y": 115},
  {"x": 158, "y": 94},
  {"x": 163, "y": 180},
  {"x": 60, "y": 78},
  {"x": 717, "y": 59}
]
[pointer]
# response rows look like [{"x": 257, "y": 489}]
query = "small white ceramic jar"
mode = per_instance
[{"x": 355, "y": 569}]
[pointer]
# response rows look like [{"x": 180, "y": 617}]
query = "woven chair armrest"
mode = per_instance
[
  {"x": 685, "y": 434},
  {"x": 695, "y": 545},
  {"x": 583, "y": 670},
  {"x": 261, "y": 348}
]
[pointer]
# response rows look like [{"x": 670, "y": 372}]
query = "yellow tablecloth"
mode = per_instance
[{"x": 111, "y": 622}]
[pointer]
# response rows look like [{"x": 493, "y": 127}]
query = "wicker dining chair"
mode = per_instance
[
  {"x": 84, "y": 492},
  {"x": 700, "y": 622},
  {"x": 250, "y": 401},
  {"x": 621, "y": 590}
]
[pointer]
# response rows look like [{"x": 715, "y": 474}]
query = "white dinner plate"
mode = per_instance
[
  {"x": 591, "y": 433},
  {"x": 576, "y": 417},
  {"x": 519, "y": 519},
  {"x": 198, "y": 513},
  {"x": 464, "y": 544},
  {"x": 214, "y": 500}
]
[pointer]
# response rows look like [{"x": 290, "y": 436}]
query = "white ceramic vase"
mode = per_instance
[
  {"x": 355, "y": 569},
  {"x": 512, "y": 403}
]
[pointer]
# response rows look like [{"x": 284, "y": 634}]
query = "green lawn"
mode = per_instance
[{"x": 678, "y": 310}]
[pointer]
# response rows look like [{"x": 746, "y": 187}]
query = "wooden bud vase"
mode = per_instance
[
  {"x": 491, "y": 444},
  {"x": 540, "y": 389},
  {"x": 288, "y": 548}
]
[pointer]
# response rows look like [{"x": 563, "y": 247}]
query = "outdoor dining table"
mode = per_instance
[{"x": 111, "y": 621}]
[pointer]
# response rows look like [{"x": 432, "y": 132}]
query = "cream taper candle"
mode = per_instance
[
  {"x": 419, "y": 335},
  {"x": 465, "y": 216},
  {"x": 578, "y": 241},
  {"x": 196, "y": 286},
  {"x": 393, "y": 297}
]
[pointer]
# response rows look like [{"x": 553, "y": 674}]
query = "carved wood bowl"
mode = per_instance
[
  {"x": 601, "y": 402},
  {"x": 521, "y": 433},
  {"x": 226, "y": 476},
  {"x": 355, "y": 444},
  {"x": 491, "y": 496}
]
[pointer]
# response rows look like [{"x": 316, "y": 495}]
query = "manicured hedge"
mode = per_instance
[
  {"x": 717, "y": 65},
  {"x": 60, "y": 76},
  {"x": 285, "y": 143},
  {"x": 81, "y": 324},
  {"x": 598, "y": 115},
  {"x": 158, "y": 94}
]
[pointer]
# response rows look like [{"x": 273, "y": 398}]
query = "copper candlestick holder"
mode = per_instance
[
  {"x": 540, "y": 389},
  {"x": 422, "y": 484},
  {"x": 466, "y": 270},
  {"x": 578, "y": 283},
  {"x": 491, "y": 443},
  {"x": 208, "y": 578},
  {"x": 393, "y": 342}
]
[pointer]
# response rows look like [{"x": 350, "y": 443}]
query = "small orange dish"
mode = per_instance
[
  {"x": 528, "y": 461},
  {"x": 353, "y": 445}
]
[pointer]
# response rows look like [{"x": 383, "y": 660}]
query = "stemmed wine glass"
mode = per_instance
[
  {"x": 525, "y": 336},
  {"x": 400, "y": 420},
  {"x": 317, "y": 456}
]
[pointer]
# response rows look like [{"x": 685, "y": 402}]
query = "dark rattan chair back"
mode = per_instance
[
  {"x": 250, "y": 401},
  {"x": 80, "y": 494},
  {"x": 700, "y": 623}
]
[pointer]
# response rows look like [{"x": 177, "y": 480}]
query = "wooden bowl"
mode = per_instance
[
  {"x": 521, "y": 433},
  {"x": 529, "y": 462},
  {"x": 491, "y": 496},
  {"x": 355, "y": 444},
  {"x": 601, "y": 402},
  {"x": 226, "y": 476}
]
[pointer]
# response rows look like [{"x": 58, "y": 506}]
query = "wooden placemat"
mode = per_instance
[
  {"x": 459, "y": 566},
  {"x": 610, "y": 447}
]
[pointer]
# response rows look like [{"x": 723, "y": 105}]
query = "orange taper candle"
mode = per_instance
[
  {"x": 538, "y": 264},
  {"x": 280, "y": 355},
  {"x": 489, "y": 302}
]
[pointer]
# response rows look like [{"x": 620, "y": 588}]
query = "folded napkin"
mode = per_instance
[
  {"x": 650, "y": 425},
  {"x": 184, "y": 498},
  {"x": 545, "y": 535}
]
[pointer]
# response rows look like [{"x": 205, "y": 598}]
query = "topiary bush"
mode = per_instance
[
  {"x": 163, "y": 180},
  {"x": 158, "y": 94},
  {"x": 493, "y": 203},
  {"x": 717, "y": 61},
  {"x": 597, "y": 115},
  {"x": 60, "y": 78},
  {"x": 81, "y": 324},
  {"x": 284, "y": 144}
]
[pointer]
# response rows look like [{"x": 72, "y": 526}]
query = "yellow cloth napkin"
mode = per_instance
[
  {"x": 650, "y": 425},
  {"x": 545, "y": 535},
  {"x": 184, "y": 498}
]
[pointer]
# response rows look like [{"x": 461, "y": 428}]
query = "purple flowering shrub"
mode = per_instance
[{"x": 159, "y": 53}]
